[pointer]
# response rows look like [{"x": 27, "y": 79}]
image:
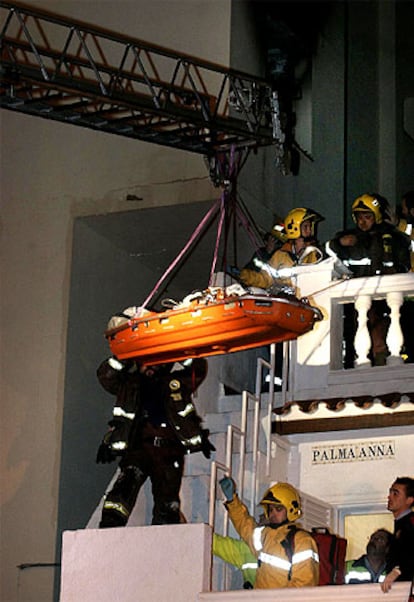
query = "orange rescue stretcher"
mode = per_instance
[{"x": 212, "y": 323}]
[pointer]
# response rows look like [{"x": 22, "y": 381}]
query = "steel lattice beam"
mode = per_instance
[{"x": 65, "y": 70}]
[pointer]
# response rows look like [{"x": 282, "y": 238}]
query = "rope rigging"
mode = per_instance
[{"x": 229, "y": 212}]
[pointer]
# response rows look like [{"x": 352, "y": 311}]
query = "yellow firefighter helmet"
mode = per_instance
[
  {"x": 367, "y": 202},
  {"x": 295, "y": 219},
  {"x": 285, "y": 495}
]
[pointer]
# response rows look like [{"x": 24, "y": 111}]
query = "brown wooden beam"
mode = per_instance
[{"x": 323, "y": 425}]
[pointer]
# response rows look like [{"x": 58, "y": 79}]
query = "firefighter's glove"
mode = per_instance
[
  {"x": 114, "y": 442},
  {"x": 228, "y": 487},
  {"x": 206, "y": 446}
]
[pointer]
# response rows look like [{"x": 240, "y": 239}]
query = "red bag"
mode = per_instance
[{"x": 332, "y": 551}]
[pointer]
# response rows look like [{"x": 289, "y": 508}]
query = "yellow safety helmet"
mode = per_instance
[
  {"x": 367, "y": 202},
  {"x": 295, "y": 219},
  {"x": 285, "y": 495}
]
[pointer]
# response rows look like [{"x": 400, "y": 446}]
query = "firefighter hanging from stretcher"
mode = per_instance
[{"x": 154, "y": 425}]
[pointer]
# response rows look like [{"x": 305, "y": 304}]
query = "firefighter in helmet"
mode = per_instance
[
  {"x": 372, "y": 248},
  {"x": 283, "y": 498},
  {"x": 300, "y": 247},
  {"x": 154, "y": 425},
  {"x": 287, "y": 555}
]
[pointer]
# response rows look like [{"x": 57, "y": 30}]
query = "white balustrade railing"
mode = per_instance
[
  {"x": 362, "y": 291},
  {"x": 316, "y": 361}
]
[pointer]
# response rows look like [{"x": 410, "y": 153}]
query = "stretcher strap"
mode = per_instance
[
  {"x": 222, "y": 203},
  {"x": 247, "y": 226},
  {"x": 218, "y": 237},
  {"x": 193, "y": 237},
  {"x": 225, "y": 201}
]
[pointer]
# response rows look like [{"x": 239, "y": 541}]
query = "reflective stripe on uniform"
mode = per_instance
[
  {"x": 305, "y": 555},
  {"x": 115, "y": 364},
  {"x": 118, "y": 445},
  {"x": 358, "y": 575},
  {"x": 117, "y": 411},
  {"x": 363, "y": 575},
  {"x": 363, "y": 261},
  {"x": 257, "y": 538},
  {"x": 285, "y": 565},
  {"x": 275, "y": 561},
  {"x": 196, "y": 440},
  {"x": 117, "y": 506},
  {"x": 187, "y": 410},
  {"x": 249, "y": 565}
]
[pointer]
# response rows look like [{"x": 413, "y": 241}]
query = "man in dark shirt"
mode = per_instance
[{"x": 401, "y": 561}]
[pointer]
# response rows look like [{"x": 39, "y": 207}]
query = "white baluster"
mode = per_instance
[
  {"x": 362, "y": 342},
  {"x": 394, "y": 336}
]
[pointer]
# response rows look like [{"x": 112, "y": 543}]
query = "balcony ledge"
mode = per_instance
[{"x": 335, "y": 593}]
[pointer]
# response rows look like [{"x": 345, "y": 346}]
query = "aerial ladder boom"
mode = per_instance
[{"x": 69, "y": 71}]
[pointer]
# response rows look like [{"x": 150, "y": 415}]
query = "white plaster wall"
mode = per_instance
[
  {"x": 355, "y": 482},
  {"x": 52, "y": 173}
]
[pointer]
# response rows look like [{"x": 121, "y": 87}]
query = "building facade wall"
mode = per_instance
[{"x": 52, "y": 174}]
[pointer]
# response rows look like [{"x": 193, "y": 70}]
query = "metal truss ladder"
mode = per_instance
[{"x": 75, "y": 73}]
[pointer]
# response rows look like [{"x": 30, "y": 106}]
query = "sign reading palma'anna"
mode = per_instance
[{"x": 361, "y": 451}]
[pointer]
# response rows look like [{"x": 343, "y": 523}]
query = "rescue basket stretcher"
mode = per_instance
[{"x": 210, "y": 323}]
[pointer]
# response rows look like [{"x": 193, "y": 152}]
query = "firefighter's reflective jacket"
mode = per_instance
[
  {"x": 166, "y": 396},
  {"x": 283, "y": 561},
  {"x": 279, "y": 265},
  {"x": 360, "y": 571},
  {"x": 381, "y": 250}
]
